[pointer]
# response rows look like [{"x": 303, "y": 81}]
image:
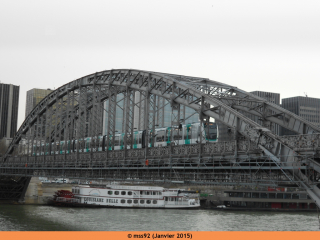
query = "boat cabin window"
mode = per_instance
[
  {"x": 109, "y": 192},
  {"x": 272, "y": 195},
  {"x": 247, "y": 195},
  {"x": 148, "y": 201},
  {"x": 135, "y": 201},
  {"x": 280, "y": 195},
  {"x": 141, "y": 192},
  {"x": 123, "y": 192},
  {"x": 287, "y": 195},
  {"x": 166, "y": 198},
  {"x": 129, "y": 193},
  {"x": 295, "y": 196},
  {"x": 148, "y": 193},
  {"x": 264, "y": 195},
  {"x": 123, "y": 201},
  {"x": 154, "y": 193},
  {"x": 154, "y": 202},
  {"x": 141, "y": 201},
  {"x": 255, "y": 195},
  {"x": 116, "y": 192},
  {"x": 129, "y": 201}
]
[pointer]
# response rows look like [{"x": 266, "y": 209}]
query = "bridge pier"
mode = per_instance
[{"x": 13, "y": 189}]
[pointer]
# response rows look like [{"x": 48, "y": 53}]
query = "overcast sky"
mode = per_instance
[{"x": 254, "y": 45}]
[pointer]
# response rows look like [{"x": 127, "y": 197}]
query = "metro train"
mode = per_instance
[{"x": 182, "y": 134}]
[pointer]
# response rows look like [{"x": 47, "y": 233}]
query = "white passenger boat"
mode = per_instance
[{"x": 128, "y": 197}]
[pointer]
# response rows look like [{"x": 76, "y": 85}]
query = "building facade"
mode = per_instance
[
  {"x": 34, "y": 96},
  {"x": 270, "y": 97},
  {"x": 163, "y": 114},
  {"x": 306, "y": 107},
  {"x": 227, "y": 134},
  {"x": 9, "y": 103}
]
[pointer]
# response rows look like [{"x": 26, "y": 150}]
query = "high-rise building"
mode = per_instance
[
  {"x": 163, "y": 114},
  {"x": 34, "y": 96},
  {"x": 306, "y": 107},
  {"x": 270, "y": 97},
  {"x": 9, "y": 103},
  {"x": 227, "y": 134}
]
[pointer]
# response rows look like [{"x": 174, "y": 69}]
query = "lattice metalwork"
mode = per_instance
[{"x": 82, "y": 118}]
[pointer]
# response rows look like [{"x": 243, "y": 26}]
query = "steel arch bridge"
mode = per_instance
[{"x": 75, "y": 111}]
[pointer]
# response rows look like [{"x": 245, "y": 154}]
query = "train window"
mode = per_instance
[
  {"x": 194, "y": 132},
  {"x": 160, "y": 136},
  {"x": 116, "y": 141},
  {"x": 177, "y": 134}
]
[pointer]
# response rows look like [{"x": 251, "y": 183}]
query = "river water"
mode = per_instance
[{"x": 49, "y": 218}]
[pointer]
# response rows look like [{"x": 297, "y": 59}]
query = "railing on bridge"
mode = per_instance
[{"x": 236, "y": 162}]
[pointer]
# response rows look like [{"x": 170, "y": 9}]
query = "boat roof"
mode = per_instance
[{"x": 135, "y": 187}]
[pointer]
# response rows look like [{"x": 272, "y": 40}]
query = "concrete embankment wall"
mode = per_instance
[{"x": 39, "y": 193}]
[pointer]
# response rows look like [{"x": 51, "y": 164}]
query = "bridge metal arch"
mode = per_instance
[
  {"x": 199, "y": 94},
  {"x": 209, "y": 98}
]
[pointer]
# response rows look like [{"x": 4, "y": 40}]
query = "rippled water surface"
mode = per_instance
[{"x": 47, "y": 218}]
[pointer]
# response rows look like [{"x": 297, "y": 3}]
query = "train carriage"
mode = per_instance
[{"x": 177, "y": 135}]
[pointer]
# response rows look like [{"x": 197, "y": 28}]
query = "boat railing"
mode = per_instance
[
  {"x": 68, "y": 200},
  {"x": 180, "y": 202}
]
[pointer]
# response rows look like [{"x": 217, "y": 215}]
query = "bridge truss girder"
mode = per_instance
[{"x": 210, "y": 99}]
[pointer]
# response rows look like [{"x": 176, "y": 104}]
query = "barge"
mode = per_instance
[{"x": 272, "y": 199}]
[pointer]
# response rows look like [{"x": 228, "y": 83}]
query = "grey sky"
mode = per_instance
[{"x": 254, "y": 45}]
